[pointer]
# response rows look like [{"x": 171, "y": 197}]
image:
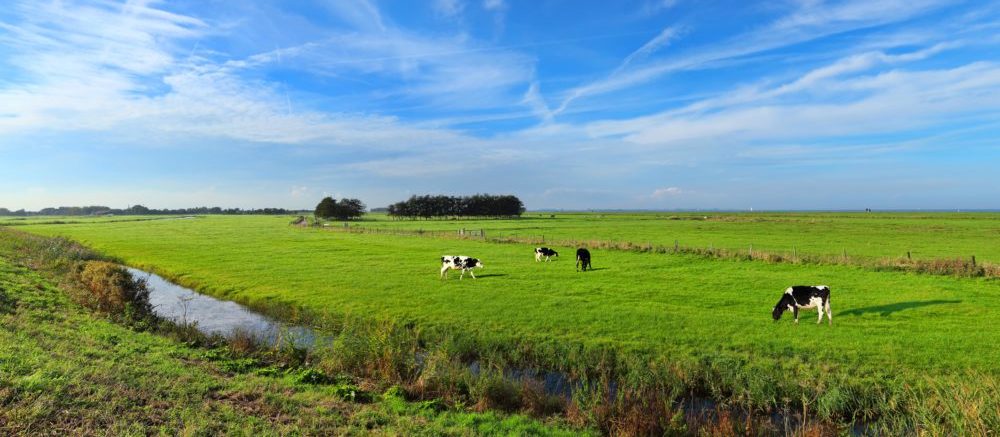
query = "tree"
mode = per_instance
[
  {"x": 350, "y": 208},
  {"x": 346, "y": 209},
  {"x": 326, "y": 208},
  {"x": 478, "y": 205}
]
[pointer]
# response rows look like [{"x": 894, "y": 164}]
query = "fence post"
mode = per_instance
[
  {"x": 676, "y": 243},
  {"x": 751, "y": 250},
  {"x": 845, "y": 253},
  {"x": 795, "y": 252},
  {"x": 973, "y": 260},
  {"x": 908, "y": 255}
]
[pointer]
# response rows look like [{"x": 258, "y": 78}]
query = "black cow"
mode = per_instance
[
  {"x": 544, "y": 251},
  {"x": 463, "y": 263},
  {"x": 804, "y": 297},
  {"x": 583, "y": 259}
]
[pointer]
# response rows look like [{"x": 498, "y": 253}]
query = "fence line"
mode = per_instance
[{"x": 967, "y": 267}]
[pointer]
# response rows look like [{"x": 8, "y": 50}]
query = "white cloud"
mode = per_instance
[
  {"x": 661, "y": 193},
  {"x": 449, "y": 8},
  {"x": 893, "y": 101},
  {"x": 499, "y": 10},
  {"x": 810, "y": 21},
  {"x": 137, "y": 78},
  {"x": 360, "y": 14},
  {"x": 299, "y": 191},
  {"x": 533, "y": 99},
  {"x": 494, "y": 5}
]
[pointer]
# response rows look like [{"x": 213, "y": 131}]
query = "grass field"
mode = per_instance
[
  {"x": 65, "y": 371},
  {"x": 897, "y": 337},
  {"x": 924, "y": 235}
]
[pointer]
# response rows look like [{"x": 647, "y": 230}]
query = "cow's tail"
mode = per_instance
[{"x": 826, "y": 305}]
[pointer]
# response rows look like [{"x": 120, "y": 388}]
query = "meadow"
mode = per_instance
[
  {"x": 65, "y": 370},
  {"x": 873, "y": 235},
  {"x": 915, "y": 344}
]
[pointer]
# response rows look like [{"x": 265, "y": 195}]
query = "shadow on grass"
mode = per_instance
[
  {"x": 491, "y": 275},
  {"x": 887, "y": 310},
  {"x": 596, "y": 269}
]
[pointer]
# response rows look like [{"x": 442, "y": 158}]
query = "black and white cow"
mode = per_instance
[
  {"x": 544, "y": 252},
  {"x": 583, "y": 259},
  {"x": 463, "y": 263},
  {"x": 799, "y": 297}
]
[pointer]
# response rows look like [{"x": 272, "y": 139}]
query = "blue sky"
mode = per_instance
[{"x": 798, "y": 104}]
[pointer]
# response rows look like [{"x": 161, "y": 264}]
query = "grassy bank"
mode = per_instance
[
  {"x": 657, "y": 328},
  {"x": 67, "y": 371}
]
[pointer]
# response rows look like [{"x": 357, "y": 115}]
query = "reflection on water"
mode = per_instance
[{"x": 213, "y": 316}]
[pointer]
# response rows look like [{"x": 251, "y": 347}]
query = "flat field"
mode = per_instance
[
  {"x": 888, "y": 234},
  {"x": 707, "y": 320},
  {"x": 67, "y": 371}
]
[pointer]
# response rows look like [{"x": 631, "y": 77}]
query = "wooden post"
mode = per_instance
[
  {"x": 795, "y": 253},
  {"x": 973, "y": 260},
  {"x": 845, "y": 253},
  {"x": 751, "y": 250},
  {"x": 908, "y": 256},
  {"x": 676, "y": 243}
]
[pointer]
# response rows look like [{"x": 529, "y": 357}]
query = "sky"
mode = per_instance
[{"x": 576, "y": 104}]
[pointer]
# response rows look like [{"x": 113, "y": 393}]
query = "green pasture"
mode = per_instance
[
  {"x": 65, "y": 371},
  {"x": 680, "y": 308},
  {"x": 889, "y": 234}
]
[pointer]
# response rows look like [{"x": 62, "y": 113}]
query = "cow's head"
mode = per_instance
[
  {"x": 474, "y": 263},
  {"x": 783, "y": 305}
]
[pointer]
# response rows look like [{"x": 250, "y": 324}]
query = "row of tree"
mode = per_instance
[
  {"x": 346, "y": 209},
  {"x": 137, "y": 210},
  {"x": 478, "y": 205}
]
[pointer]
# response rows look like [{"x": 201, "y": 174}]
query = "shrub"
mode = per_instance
[{"x": 111, "y": 289}]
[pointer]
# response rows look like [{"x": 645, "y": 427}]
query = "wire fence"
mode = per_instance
[{"x": 958, "y": 266}]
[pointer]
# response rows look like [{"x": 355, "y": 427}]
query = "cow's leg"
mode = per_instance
[
  {"x": 463, "y": 274},
  {"x": 829, "y": 314},
  {"x": 538, "y": 257},
  {"x": 795, "y": 311},
  {"x": 472, "y": 273},
  {"x": 444, "y": 272},
  {"x": 819, "y": 309}
]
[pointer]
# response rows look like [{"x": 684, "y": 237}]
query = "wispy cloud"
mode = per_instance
[
  {"x": 449, "y": 8},
  {"x": 810, "y": 21},
  {"x": 359, "y": 14},
  {"x": 650, "y": 47},
  {"x": 141, "y": 77},
  {"x": 893, "y": 101}
]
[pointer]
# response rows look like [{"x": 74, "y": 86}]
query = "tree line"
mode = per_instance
[
  {"x": 478, "y": 205},
  {"x": 138, "y": 210},
  {"x": 345, "y": 209}
]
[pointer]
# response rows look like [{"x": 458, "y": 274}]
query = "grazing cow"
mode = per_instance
[
  {"x": 544, "y": 251},
  {"x": 583, "y": 259},
  {"x": 463, "y": 263},
  {"x": 804, "y": 297}
]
